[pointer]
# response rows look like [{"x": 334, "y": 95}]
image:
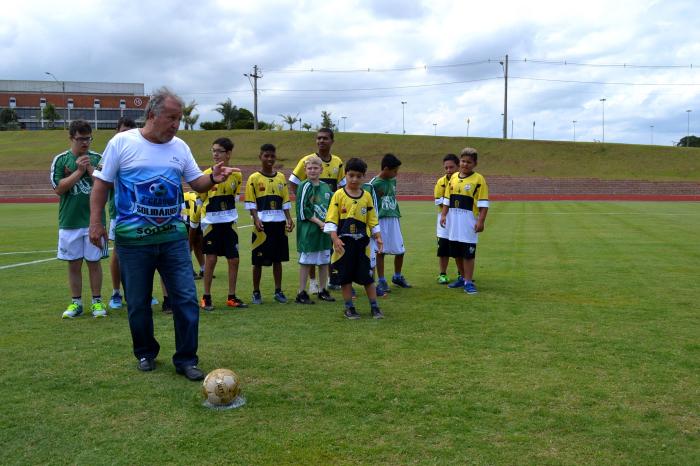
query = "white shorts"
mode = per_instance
[
  {"x": 391, "y": 236},
  {"x": 74, "y": 244},
  {"x": 315, "y": 258},
  {"x": 112, "y": 226},
  {"x": 441, "y": 231}
]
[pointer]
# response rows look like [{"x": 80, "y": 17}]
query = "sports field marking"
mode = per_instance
[
  {"x": 26, "y": 263},
  {"x": 25, "y": 252}
]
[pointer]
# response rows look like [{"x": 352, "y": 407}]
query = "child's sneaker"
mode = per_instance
[
  {"x": 400, "y": 281},
  {"x": 313, "y": 287},
  {"x": 469, "y": 287},
  {"x": 303, "y": 298},
  {"x": 73, "y": 310},
  {"x": 98, "y": 309},
  {"x": 459, "y": 283},
  {"x": 380, "y": 292},
  {"x": 377, "y": 313},
  {"x": 115, "y": 302},
  {"x": 257, "y": 297},
  {"x": 351, "y": 313},
  {"x": 280, "y": 297},
  {"x": 206, "y": 304},
  {"x": 324, "y": 295},
  {"x": 382, "y": 286},
  {"x": 443, "y": 279},
  {"x": 235, "y": 302}
]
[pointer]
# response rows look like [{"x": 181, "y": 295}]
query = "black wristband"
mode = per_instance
[{"x": 211, "y": 177}]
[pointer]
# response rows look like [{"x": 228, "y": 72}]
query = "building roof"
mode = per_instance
[{"x": 72, "y": 87}]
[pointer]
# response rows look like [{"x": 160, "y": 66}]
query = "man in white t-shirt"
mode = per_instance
[{"x": 145, "y": 167}]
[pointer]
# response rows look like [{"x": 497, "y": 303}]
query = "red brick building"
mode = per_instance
[{"x": 102, "y": 104}]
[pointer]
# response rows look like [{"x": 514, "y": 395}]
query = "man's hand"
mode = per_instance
[
  {"x": 98, "y": 235},
  {"x": 220, "y": 172}
]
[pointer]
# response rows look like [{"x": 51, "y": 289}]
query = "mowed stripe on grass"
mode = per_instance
[{"x": 581, "y": 347}]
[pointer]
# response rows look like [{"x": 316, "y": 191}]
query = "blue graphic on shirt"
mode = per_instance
[{"x": 157, "y": 200}]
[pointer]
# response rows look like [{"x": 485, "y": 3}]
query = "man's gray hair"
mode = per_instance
[{"x": 157, "y": 101}]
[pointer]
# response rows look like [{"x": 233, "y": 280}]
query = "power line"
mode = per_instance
[
  {"x": 380, "y": 70},
  {"x": 606, "y": 83}
]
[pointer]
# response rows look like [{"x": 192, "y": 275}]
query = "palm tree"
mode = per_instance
[
  {"x": 229, "y": 111},
  {"x": 306, "y": 126},
  {"x": 187, "y": 118},
  {"x": 290, "y": 120}
]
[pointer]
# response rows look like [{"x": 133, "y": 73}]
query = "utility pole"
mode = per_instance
[
  {"x": 533, "y": 130},
  {"x": 63, "y": 91},
  {"x": 574, "y": 122},
  {"x": 687, "y": 140},
  {"x": 603, "y": 101},
  {"x": 254, "y": 83},
  {"x": 468, "y": 121},
  {"x": 403, "y": 116},
  {"x": 651, "y": 127},
  {"x": 505, "y": 97}
]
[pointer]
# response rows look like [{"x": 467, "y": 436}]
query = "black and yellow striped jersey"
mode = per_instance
[
  {"x": 331, "y": 172},
  {"x": 467, "y": 193},
  {"x": 268, "y": 195},
  {"x": 440, "y": 187},
  {"x": 219, "y": 203},
  {"x": 352, "y": 216}
]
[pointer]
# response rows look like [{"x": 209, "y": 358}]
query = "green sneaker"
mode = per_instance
[
  {"x": 72, "y": 311},
  {"x": 98, "y": 309},
  {"x": 443, "y": 279}
]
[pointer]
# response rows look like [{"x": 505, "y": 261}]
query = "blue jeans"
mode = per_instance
[{"x": 172, "y": 260}]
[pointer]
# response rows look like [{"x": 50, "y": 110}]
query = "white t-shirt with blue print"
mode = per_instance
[{"x": 147, "y": 181}]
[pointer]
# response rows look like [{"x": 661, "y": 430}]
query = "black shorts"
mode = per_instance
[
  {"x": 462, "y": 250},
  {"x": 270, "y": 245},
  {"x": 443, "y": 245},
  {"x": 353, "y": 265},
  {"x": 221, "y": 239}
]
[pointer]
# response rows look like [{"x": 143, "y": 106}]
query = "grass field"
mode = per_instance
[
  {"x": 582, "y": 347},
  {"x": 34, "y": 150}
]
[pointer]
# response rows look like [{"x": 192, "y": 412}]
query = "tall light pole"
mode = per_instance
[
  {"x": 574, "y": 122},
  {"x": 651, "y": 129},
  {"x": 468, "y": 121},
  {"x": 687, "y": 139},
  {"x": 344, "y": 118},
  {"x": 63, "y": 91},
  {"x": 512, "y": 128},
  {"x": 403, "y": 116},
  {"x": 435, "y": 127},
  {"x": 504, "y": 64},
  {"x": 603, "y": 101},
  {"x": 533, "y": 130}
]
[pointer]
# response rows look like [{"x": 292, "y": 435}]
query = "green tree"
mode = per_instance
[
  {"x": 8, "y": 119},
  {"x": 49, "y": 113},
  {"x": 229, "y": 112},
  {"x": 326, "y": 121},
  {"x": 306, "y": 126},
  {"x": 689, "y": 141},
  {"x": 187, "y": 118},
  {"x": 290, "y": 120}
]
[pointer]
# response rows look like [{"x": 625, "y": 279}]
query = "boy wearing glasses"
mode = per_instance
[
  {"x": 218, "y": 219},
  {"x": 71, "y": 179}
]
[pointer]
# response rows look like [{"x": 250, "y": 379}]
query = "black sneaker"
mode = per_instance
[
  {"x": 303, "y": 298},
  {"x": 377, "y": 313},
  {"x": 351, "y": 313},
  {"x": 205, "y": 303},
  {"x": 324, "y": 295},
  {"x": 167, "y": 309}
]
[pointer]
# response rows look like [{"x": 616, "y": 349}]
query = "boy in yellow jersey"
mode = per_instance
[
  {"x": 350, "y": 220},
  {"x": 192, "y": 218},
  {"x": 450, "y": 163},
  {"x": 464, "y": 212},
  {"x": 218, "y": 220},
  {"x": 267, "y": 199},
  {"x": 331, "y": 173}
]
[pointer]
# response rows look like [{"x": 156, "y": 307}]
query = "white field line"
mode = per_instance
[
  {"x": 46, "y": 260},
  {"x": 26, "y": 263},
  {"x": 25, "y": 252}
]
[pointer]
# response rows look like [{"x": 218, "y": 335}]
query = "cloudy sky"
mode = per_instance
[{"x": 441, "y": 57}]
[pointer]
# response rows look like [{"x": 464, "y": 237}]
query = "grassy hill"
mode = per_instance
[{"x": 33, "y": 150}]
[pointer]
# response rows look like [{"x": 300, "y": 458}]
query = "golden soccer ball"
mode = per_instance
[{"x": 221, "y": 387}]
